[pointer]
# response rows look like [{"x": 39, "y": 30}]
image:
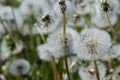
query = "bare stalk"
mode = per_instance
[
  {"x": 3, "y": 24},
  {"x": 97, "y": 71},
  {"x": 16, "y": 25},
  {"x": 60, "y": 68},
  {"x": 54, "y": 68},
  {"x": 108, "y": 21}
]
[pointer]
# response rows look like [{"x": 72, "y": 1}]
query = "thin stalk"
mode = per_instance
[
  {"x": 97, "y": 71},
  {"x": 42, "y": 37},
  {"x": 64, "y": 36},
  {"x": 66, "y": 64},
  {"x": 108, "y": 21},
  {"x": 112, "y": 65},
  {"x": 0, "y": 67},
  {"x": 64, "y": 25},
  {"x": 13, "y": 13},
  {"x": 61, "y": 68},
  {"x": 110, "y": 25},
  {"x": 3, "y": 25},
  {"x": 54, "y": 68}
]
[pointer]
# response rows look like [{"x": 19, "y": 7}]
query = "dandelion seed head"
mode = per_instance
[
  {"x": 44, "y": 52},
  {"x": 59, "y": 45},
  {"x": 98, "y": 17},
  {"x": 93, "y": 44},
  {"x": 2, "y": 77},
  {"x": 48, "y": 24},
  {"x": 19, "y": 67},
  {"x": 89, "y": 72}
]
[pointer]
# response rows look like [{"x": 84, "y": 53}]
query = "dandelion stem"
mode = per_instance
[
  {"x": 16, "y": 26},
  {"x": 42, "y": 37},
  {"x": 54, "y": 68},
  {"x": 6, "y": 31},
  {"x": 97, "y": 71},
  {"x": 66, "y": 64},
  {"x": 64, "y": 36},
  {"x": 64, "y": 25},
  {"x": 108, "y": 21},
  {"x": 110, "y": 25},
  {"x": 60, "y": 68},
  {"x": 0, "y": 67}
]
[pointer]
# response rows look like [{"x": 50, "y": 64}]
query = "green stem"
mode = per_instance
[
  {"x": 16, "y": 26},
  {"x": 64, "y": 25},
  {"x": 108, "y": 21},
  {"x": 42, "y": 37},
  {"x": 61, "y": 68},
  {"x": 64, "y": 37},
  {"x": 54, "y": 68},
  {"x": 97, "y": 71},
  {"x": 110, "y": 25},
  {"x": 6, "y": 31},
  {"x": 66, "y": 64}
]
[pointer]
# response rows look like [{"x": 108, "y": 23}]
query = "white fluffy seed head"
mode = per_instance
[
  {"x": 6, "y": 51},
  {"x": 89, "y": 72},
  {"x": 2, "y": 77},
  {"x": 44, "y": 52},
  {"x": 47, "y": 24},
  {"x": 19, "y": 67},
  {"x": 56, "y": 40},
  {"x": 98, "y": 17},
  {"x": 93, "y": 44},
  {"x": 114, "y": 52}
]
